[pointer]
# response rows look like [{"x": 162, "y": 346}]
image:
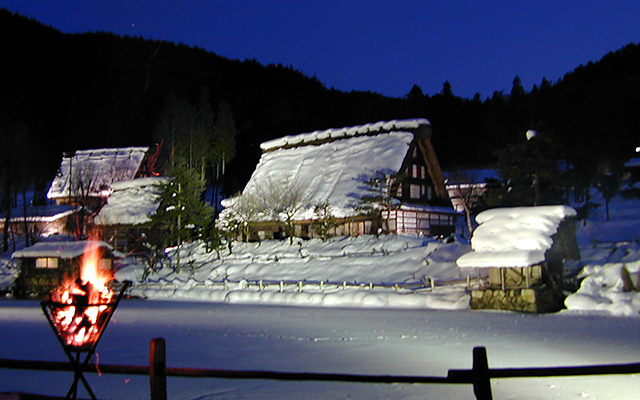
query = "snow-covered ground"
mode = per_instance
[
  {"x": 393, "y": 271},
  {"x": 358, "y": 341},
  {"x": 360, "y": 322},
  {"x": 389, "y": 271}
]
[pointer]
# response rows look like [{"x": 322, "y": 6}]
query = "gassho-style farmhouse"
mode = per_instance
[{"x": 337, "y": 171}]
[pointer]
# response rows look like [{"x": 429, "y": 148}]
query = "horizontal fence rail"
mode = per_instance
[
  {"x": 479, "y": 375},
  {"x": 429, "y": 284}
]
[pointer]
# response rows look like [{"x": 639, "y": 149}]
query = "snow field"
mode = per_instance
[{"x": 343, "y": 272}]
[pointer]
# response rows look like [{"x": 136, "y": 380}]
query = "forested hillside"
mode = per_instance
[{"x": 61, "y": 92}]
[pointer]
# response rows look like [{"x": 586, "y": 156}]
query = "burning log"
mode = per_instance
[{"x": 79, "y": 311}]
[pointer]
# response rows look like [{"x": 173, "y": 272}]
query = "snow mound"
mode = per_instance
[
  {"x": 514, "y": 237},
  {"x": 610, "y": 281}
]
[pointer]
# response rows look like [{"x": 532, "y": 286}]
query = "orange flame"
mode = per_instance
[{"x": 85, "y": 301}]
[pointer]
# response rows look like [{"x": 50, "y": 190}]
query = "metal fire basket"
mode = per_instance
[{"x": 74, "y": 351}]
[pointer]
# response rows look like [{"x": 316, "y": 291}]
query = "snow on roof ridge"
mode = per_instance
[
  {"x": 64, "y": 250},
  {"x": 337, "y": 133},
  {"x": 101, "y": 149},
  {"x": 105, "y": 150}
]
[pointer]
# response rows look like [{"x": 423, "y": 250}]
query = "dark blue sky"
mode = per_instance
[{"x": 382, "y": 46}]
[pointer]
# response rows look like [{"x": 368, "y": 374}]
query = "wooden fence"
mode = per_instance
[
  {"x": 428, "y": 284},
  {"x": 479, "y": 376}
]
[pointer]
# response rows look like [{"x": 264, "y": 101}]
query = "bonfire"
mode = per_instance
[{"x": 79, "y": 311}]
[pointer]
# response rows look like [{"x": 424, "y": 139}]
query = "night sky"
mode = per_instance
[{"x": 381, "y": 46}]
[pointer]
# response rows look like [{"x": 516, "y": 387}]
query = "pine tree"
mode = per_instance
[
  {"x": 181, "y": 214},
  {"x": 517, "y": 90},
  {"x": 446, "y": 89},
  {"x": 529, "y": 172},
  {"x": 415, "y": 93}
]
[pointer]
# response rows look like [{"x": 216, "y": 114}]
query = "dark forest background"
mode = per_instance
[{"x": 62, "y": 92}]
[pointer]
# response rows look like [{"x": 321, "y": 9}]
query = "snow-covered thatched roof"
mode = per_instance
[
  {"x": 514, "y": 237},
  {"x": 98, "y": 169},
  {"x": 57, "y": 249},
  {"x": 131, "y": 203},
  {"x": 328, "y": 166}
]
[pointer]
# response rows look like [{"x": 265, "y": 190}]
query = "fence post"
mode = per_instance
[
  {"x": 480, "y": 374},
  {"x": 157, "y": 369}
]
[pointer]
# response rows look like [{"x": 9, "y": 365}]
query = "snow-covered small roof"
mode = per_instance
[
  {"x": 329, "y": 165},
  {"x": 99, "y": 167},
  {"x": 131, "y": 203},
  {"x": 514, "y": 237},
  {"x": 46, "y": 213},
  {"x": 55, "y": 249}
]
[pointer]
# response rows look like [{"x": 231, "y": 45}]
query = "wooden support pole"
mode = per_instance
[
  {"x": 480, "y": 374},
  {"x": 158, "y": 369}
]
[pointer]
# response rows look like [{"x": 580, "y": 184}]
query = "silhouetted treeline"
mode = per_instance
[{"x": 77, "y": 91}]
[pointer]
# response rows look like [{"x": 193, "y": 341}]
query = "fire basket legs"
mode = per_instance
[{"x": 78, "y": 369}]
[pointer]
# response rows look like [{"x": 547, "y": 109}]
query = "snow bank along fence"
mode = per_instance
[
  {"x": 479, "y": 375},
  {"x": 428, "y": 283}
]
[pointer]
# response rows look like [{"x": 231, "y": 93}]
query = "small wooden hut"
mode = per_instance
[
  {"x": 522, "y": 249},
  {"x": 45, "y": 265},
  {"x": 125, "y": 219}
]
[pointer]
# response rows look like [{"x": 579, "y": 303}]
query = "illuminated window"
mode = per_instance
[
  {"x": 414, "y": 171},
  {"x": 414, "y": 191},
  {"x": 47, "y": 263},
  {"x": 423, "y": 172}
]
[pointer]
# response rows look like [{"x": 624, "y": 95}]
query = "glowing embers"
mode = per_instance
[{"x": 79, "y": 309}]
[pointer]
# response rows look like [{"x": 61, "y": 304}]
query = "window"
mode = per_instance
[
  {"x": 414, "y": 171},
  {"x": 46, "y": 263},
  {"x": 105, "y": 264},
  {"x": 423, "y": 172},
  {"x": 414, "y": 191}
]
